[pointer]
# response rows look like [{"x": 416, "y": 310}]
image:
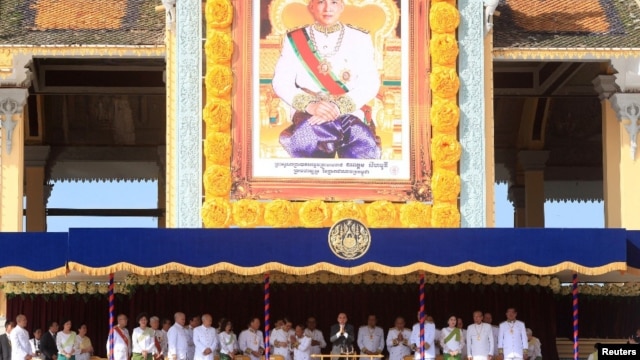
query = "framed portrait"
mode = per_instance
[{"x": 275, "y": 54}]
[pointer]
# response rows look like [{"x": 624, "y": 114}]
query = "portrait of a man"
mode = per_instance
[
  {"x": 327, "y": 74},
  {"x": 331, "y": 95}
]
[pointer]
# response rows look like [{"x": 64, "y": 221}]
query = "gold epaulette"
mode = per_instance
[
  {"x": 297, "y": 28},
  {"x": 358, "y": 28}
]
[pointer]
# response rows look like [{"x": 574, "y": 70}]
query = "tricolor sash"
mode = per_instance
[
  {"x": 311, "y": 59},
  {"x": 122, "y": 335}
]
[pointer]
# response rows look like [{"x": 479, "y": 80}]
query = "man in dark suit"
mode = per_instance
[
  {"x": 5, "y": 346},
  {"x": 342, "y": 336},
  {"x": 48, "y": 346}
]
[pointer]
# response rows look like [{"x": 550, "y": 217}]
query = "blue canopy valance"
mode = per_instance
[{"x": 302, "y": 251}]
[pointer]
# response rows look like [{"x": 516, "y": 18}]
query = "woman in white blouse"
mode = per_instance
[
  {"x": 142, "y": 339},
  {"x": 68, "y": 342},
  {"x": 452, "y": 340},
  {"x": 227, "y": 340},
  {"x": 86, "y": 349}
]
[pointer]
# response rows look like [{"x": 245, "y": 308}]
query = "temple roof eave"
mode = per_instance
[{"x": 584, "y": 54}]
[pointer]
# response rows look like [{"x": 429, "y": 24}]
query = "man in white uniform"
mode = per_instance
[
  {"x": 327, "y": 74},
  {"x": 480, "y": 345},
  {"x": 178, "y": 339},
  {"x": 398, "y": 340},
  {"x": 302, "y": 345},
  {"x": 371, "y": 337},
  {"x": 205, "y": 338},
  {"x": 19, "y": 337},
  {"x": 429, "y": 337},
  {"x": 488, "y": 319},
  {"x": 251, "y": 341},
  {"x": 317, "y": 339},
  {"x": 159, "y": 338},
  {"x": 512, "y": 337},
  {"x": 166, "y": 325},
  {"x": 281, "y": 340},
  {"x": 121, "y": 339}
]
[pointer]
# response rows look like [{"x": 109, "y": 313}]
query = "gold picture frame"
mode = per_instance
[{"x": 248, "y": 50}]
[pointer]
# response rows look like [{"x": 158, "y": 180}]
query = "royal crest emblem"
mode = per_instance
[{"x": 349, "y": 239}]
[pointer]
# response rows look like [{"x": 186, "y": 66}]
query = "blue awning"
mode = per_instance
[
  {"x": 303, "y": 251},
  {"x": 34, "y": 255}
]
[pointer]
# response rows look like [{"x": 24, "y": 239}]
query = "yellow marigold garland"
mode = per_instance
[
  {"x": 381, "y": 214},
  {"x": 314, "y": 213},
  {"x": 444, "y": 49},
  {"x": 218, "y": 47},
  {"x": 445, "y": 185},
  {"x": 445, "y": 215},
  {"x": 415, "y": 215},
  {"x": 347, "y": 210},
  {"x": 444, "y": 81},
  {"x": 217, "y": 181},
  {"x": 247, "y": 213},
  {"x": 444, "y": 18},
  {"x": 219, "y": 13},
  {"x": 445, "y": 150},
  {"x": 218, "y": 80},
  {"x": 216, "y": 213},
  {"x": 279, "y": 213},
  {"x": 445, "y": 116},
  {"x": 217, "y": 146},
  {"x": 217, "y": 115}
]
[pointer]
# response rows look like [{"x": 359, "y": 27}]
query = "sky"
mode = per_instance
[{"x": 143, "y": 195}]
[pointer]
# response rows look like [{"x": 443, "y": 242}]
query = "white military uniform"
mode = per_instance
[
  {"x": 121, "y": 343},
  {"x": 20, "y": 346},
  {"x": 161, "y": 340},
  {"x": 371, "y": 339},
  {"x": 282, "y": 347},
  {"x": 142, "y": 340},
  {"x": 177, "y": 342},
  {"x": 512, "y": 339},
  {"x": 429, "y": 337},
  {"x": 495, "y": 331},
  {"x": 165, "y": 344},
  {"x": 480, "y": 341},
  {"x": 302, "y": 350},
  {"x": 250, "y": 340},
  {"x": 353, "y": 62},
  {"x": 453, "y": 344},
  {"x": 204, "y": 338},
  {"x": 316, "y": 335},
  {"x": 397, "y": 348}
]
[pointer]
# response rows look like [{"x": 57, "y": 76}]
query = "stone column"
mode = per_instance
[
  {"x": 12, "y": 101},
  {"x": 533, "y": 164},
  {"x": 35, "y": 160},
  {"x": 611, "y": 152}
]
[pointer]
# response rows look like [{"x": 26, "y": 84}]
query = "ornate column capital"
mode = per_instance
[
  {"x": 605, "y": 85},
  {"x": 627, "y": 73},
  {"x": 627, "y": 108},
  {"x": 11, "y": 103},
  {"x": 17, "y": 72},
  {"x": 532, "y": 160}
]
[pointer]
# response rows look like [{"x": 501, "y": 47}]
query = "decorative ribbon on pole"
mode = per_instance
[
  {"x": 267, "y": 347},
  {"x": 111, "y": 315},
  {"x": 574, "y": 295},
  {"x": 422, "y": 316}
]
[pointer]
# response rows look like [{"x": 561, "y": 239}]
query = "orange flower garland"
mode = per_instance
[
  {"x": 279, "y": 213},
  {"x": 216, "y": 213},
  {"x": 445, "y": 185},
  {"x": 218, "y": 47},
  {"x": 217, "y": 181},
  {"x": 445, "y": 215},
  {"x": 217, "y": 146},
  {"x": 415, "y": 215},
  {"x": 217, "y": 115},
  {"x": 218, "y": 80},
  {"x": 219, "y": 13},
  {"x": 247, "y": 213},
  {"x": 444, "y": 49},
  {"x": 444, "y": 81},
  {"x": 444, "y": 18},
  {"x": 381, "y": 214},
  {"x": 347, "y": 210},
  {"x": 445, "y": 116},
  {"x": 314, "y": 213}
]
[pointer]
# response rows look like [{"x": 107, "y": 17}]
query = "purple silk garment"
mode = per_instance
[{"x": 347, "y": 136}]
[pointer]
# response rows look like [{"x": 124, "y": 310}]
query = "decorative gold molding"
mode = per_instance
[{"x": 85, "y": 51}]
